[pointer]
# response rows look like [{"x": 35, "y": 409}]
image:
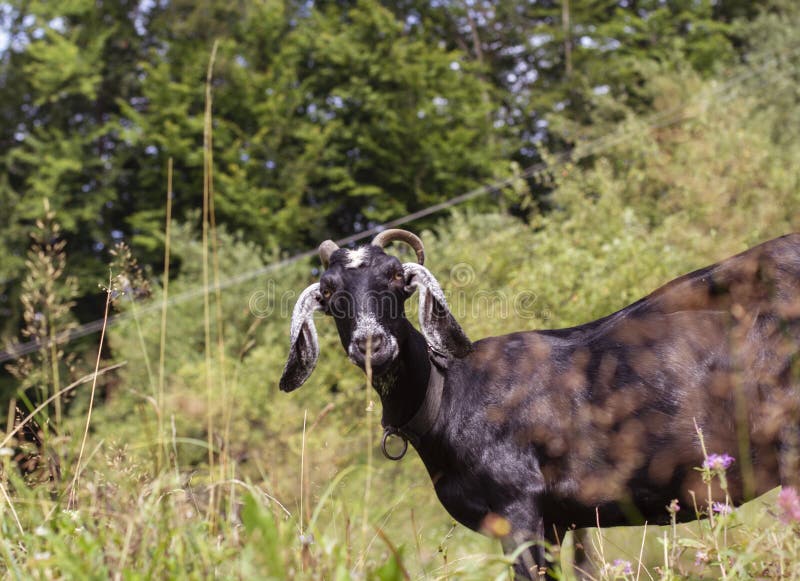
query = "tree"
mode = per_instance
[
  {"x": 329, "y": 116},
  {"x": 68, "y": 66},
  {"x": 324, "y": 123},
  {"x": 325, "y": 120},
  {"x": 549, "y": 60}
]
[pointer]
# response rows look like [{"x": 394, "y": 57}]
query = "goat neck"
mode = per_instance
[{"x": 402, "y": 390}]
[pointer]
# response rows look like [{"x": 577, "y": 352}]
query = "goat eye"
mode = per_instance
[
  {"x": 326, "y": 293},
  {"x": 398, "y": 275}
]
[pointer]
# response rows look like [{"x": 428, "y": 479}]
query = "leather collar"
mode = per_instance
[{"x": 422, "y": 421}]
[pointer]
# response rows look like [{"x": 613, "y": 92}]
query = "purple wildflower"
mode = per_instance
[
  {"x": 721, "y": 508},
  {"x": 624, "y": 566},
  {"x": 718, "y": 462},
  {"x": 701, "y": 557},
  {"x": 674, "y": 506},
  {"x": 789, "y": 502}
]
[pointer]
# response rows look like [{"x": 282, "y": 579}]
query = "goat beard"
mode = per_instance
[{"x": 386, "y": 381}]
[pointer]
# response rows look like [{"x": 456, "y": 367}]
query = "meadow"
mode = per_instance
[{"x": 166, "y": 450}]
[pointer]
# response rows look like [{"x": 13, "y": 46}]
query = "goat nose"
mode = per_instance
[{"x": 375, "y": 340}]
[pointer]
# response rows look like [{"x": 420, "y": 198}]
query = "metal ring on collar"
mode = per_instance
[{"x": 393, "y": 432}]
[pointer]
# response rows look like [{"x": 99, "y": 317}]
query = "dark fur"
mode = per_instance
[{"x": 544, "y": 428}]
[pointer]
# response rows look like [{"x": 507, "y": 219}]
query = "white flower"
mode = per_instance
[{"x": 72, "y": 514}]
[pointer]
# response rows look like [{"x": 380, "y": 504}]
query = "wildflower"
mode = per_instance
[
  {"x": 718, "y": 462},
  {"x": 674, "y": 506},
  {"x": 72, "y": 514},
  {"x": 307, "y": 539},
  {"x": 701, "y": 557},
  {"x": 721, "y": 508},
  {"x": 789, "y": 503},
  {"x": 40, "y": 531},
  {"x": 6, "y": 451},
  {"x": 41, "y": 556},
  {"x": 623, "y": 566}
]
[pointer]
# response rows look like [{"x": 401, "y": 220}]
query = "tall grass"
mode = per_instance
[
  {"x": 162, "y": 343},
  {"x": 208, "y": 192},
  {"x": 71, "y": 501}
]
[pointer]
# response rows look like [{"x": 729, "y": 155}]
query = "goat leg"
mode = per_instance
[{"x": 531, "y": 563}]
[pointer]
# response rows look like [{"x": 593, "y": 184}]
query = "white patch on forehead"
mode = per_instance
[{"x": 357, "y": 257}]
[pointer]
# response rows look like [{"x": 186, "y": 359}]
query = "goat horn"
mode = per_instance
[
  {"x": 325, "y": 250},
  {"x": 393, "y": 234}
]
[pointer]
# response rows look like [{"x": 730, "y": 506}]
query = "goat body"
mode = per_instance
[{"x": 548, "y": 430}]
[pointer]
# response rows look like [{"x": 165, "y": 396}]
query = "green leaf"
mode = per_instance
[
  {"x": 264, "y": 535},
  {"x": 391, "y": 570}
]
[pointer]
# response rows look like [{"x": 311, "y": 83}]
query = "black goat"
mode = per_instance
[{"x": 541, "y": 431}]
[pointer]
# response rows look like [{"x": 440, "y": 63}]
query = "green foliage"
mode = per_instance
[
  {"x": 329, "y": 117},
  {"x": 260, "y": 526},
  {"x": 323, "y": 123},
  {"x": 66, "y": 68},
  {"x": 550, "y": 61},
  {"x": 298, "y": 489}
]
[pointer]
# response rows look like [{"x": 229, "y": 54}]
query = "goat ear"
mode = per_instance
[
  {"x": 304, "y": 350},
  {"x": 442, "y": 332}
]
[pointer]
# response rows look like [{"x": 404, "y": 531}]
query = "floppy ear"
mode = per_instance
[
  {"x": 442, "y": 332},
  {"x": 304, "y": 349}
]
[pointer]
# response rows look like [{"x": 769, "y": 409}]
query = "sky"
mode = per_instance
[{"x": 5, "y": 10}]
